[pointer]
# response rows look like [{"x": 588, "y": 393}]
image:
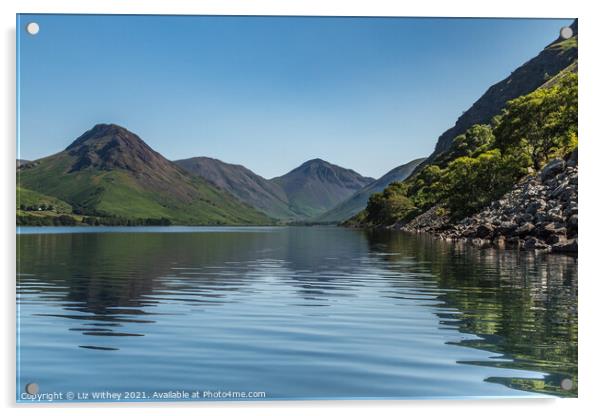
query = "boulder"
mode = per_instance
[
  {"x": 573, "y": 159},
  {"x": 484, "y": 230},
  {"x": 551, "y": 183},
  {"x": 569, "y": 193},
  {"x": 499, "y": 242},
  {"x": 480, "y": 242},
  {"x": 570, "y": 246},
  {"x": 571, "y": 208},
  {"x": 514, "y": 242},
  {"x": 559, "y": 190},
  {"x": 524, "y": 229},
  {"x": 505, "y": 228},
  {"x": 535, "y": 206},
  {"x": 554, "y": 167},
  {"x": 541, "y": 217},
  {"x": 556, "y": 214},
  {"x": 552, "y": 228},
  {"x": 573, "y": 222},
  {"x": 525, "y": 218},
  {"x": 553, "y": 239},
  {"x": 469, "y": 232},
  {"x": 532, "y": 243}
]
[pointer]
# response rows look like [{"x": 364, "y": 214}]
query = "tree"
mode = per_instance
[
  {"x": 425, "y": 191},
  {"x": 390, "y": 206},
  {"x": 375, "y": 208},
  {"x": 474, "y": 141},
  {"x": 64, "y": 220},
  {"x": 543, "y": 122},
  {"x": 397, "y": 208}
]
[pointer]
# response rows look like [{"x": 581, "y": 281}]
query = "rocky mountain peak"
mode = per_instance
[
  {"x": 317, "y": 186},
  {"x": 325, "y": 171},
  {"x": 100, "y": 131},
  {"x": 108, "y": 146},
  {"x": 315, "y": 162}
]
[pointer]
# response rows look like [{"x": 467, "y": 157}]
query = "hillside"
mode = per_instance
[
  {"x": 241, "y": 182},
  {"x": 475, "y": 164},
  {"x": 358, "y": 201},
  {"x": 540, "y": 212},
  {"x": 550, "y": 61},
  {"x": 28, "y": 200},
  {"x": 510, "y": 183},
  {"x": 110, "y": 172},
  {"x": 317, "y": 186}
]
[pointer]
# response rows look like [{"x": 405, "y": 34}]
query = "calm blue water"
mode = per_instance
[{"x": 291, "y": 313}]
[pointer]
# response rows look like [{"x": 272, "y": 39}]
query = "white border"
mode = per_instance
[{"x": 590, "y": 96}]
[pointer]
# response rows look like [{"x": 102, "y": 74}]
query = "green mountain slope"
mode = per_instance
[
  {"x": 358, "y": 201},
  {"x": 557, "y": 56},
  {"x": 514, "y": 128},
  {"x": 28, "y": 200},
  {"x": 486, "y": 162},
  {"x": 317, "y": 186},
  {"x": 109, "y": 171},
  {"x": 241, "y": 182}
]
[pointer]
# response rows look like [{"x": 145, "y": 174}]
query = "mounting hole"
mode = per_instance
[
  {"x": 566, "y": 32},
  {"x": 566, "y": 384},
  {"x": 32, "y": 28},
  {"x": 32, "y": 388}
]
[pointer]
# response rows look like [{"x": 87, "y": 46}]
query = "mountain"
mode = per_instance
[
  {"x": 311, "y": 188},
  {"x": 512, "y": 183},
  {"x": 111, "y": 172},
  {"x": 317, "y": 186},
  {"x": 21, "y": 162},
  {"x": 550, "y": 61},
  {"x": 358, "y": 201},
  {"x": 241, "y": 182}
]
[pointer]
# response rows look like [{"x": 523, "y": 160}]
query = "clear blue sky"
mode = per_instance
[{"x": 266, "y": 92}]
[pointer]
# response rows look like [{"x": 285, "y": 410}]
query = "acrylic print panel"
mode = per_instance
[{"x": 286, "y": 208}]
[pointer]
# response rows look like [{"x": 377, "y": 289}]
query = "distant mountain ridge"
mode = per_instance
[
  {"x": 241, "y": 182},
  {"x": 358, "y": 201},
  {"x": 317, "y": 186},
  {"x": 111, "y": 172},
  {"x": 308, "y": 190}
]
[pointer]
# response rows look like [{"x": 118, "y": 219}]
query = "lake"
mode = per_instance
[{"x": 268, "y": 313}]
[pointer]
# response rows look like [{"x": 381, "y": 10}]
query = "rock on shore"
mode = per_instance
[{"x": 539, "y": 213}]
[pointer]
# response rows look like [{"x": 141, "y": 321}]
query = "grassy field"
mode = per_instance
[{"x": 33, "y": 200}]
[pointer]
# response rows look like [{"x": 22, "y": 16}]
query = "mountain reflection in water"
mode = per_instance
[{"x": 299, "y": 312}]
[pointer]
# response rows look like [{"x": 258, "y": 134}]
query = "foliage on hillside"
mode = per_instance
[{"x": 484, "y": 162}]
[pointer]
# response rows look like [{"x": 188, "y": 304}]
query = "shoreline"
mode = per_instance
[{"x": 540, "y": 213}]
